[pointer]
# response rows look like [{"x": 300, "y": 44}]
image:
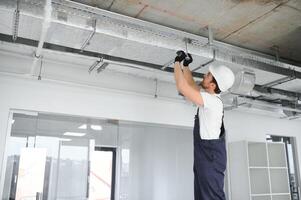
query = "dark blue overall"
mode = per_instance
[{"x": 210, "y": 160}]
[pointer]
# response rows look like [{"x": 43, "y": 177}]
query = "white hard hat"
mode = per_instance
[{"x": 223, "y": 76}]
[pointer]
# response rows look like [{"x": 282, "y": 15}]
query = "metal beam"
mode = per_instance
[
  {"x": 259, "y": 88},
  {"x": 279, "y": 81}
]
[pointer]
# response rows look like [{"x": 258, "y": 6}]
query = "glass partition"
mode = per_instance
[
  {"x": 58, "y": 157},
  {"x": 51, "y": 157}
]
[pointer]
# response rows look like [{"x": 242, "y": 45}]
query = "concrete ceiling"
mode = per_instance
[{"x": 261, "y": 25}]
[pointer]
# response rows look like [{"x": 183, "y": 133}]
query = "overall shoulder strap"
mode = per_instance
[{"x": 222, "y": 126}]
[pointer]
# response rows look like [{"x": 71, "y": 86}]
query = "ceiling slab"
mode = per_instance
[
  {"x": 294, "y": 4},
  {"x": 128, "y": 7},
  {"x": 281, "y": 28},
  {"x": 253, "y": 24}
]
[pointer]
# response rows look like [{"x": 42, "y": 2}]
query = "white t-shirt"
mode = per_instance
[{"x": 210, "y": 116}]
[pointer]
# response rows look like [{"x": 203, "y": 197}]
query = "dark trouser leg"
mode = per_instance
[{"x": 196, "y": 187}]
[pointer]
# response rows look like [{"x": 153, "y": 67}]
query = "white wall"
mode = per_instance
[
  {"x": 160, "y": 163},
  {"x": 247, "y": 126},
  {"x": 48, "y": 96}
]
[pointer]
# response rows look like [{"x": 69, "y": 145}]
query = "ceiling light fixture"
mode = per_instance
[
  {"x": 65, "y": 139},
  {"x": 84, "y": 126},
  {"x": 76, "y": 134},
  {"x": 96, "y": 127},
  {"x": 92, "y": 126}
]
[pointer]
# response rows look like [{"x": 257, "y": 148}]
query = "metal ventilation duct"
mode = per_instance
[
  {"x": 79, "y": 16},
  {"x": 244, "y": 82},
  {"x": 93, "y": 22}
]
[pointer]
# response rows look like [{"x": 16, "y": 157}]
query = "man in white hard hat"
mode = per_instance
[{"x": 209, "y": 134}]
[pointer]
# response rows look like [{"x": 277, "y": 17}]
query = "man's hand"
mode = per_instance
[
  {"x": 188, "y": 59},
  {"x": 180, "y": 56}
]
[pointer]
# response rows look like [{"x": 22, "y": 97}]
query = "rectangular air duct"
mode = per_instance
[{"x": 244, "y": 82}]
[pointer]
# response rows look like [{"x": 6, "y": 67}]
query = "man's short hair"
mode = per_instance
[{"x": 216, "y": 90}]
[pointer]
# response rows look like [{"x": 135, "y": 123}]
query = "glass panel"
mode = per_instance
[
  {"x": 15, "y": 144},
  {"x": 287, "y": 148},
  {"x": 62, "y": 170},
  {"x": 279, "y": 181},
  {"x": 257, "y": 154},
  {"x": 31, "y": 173},
  {"x": 101, "y": 175},
  {"x": 72, "y": 170},
  {"x": 259, "y": 179},
  {"x": 277, "y": 157}
]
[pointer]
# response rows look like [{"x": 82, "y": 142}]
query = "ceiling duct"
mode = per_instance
[
  {"x": 291, "y": 113},
  {"x": 244, "y": 82},
  {"x": 132, "y": 29},
  {"x": 127, "y": 28},
  {"x": 271, "y": 93}
]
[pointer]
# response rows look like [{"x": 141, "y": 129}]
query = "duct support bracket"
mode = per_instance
[
  {"x": 95, "y": 64},
  {"x": 87, "y": 41},
  {"x": 16, "y": 21}
]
